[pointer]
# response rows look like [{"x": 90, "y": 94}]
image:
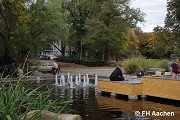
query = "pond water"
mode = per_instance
[{"x": 91, "y": 105}]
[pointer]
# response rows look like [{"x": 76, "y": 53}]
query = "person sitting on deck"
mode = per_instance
[
  {"x": 116, "y": 75},
  {"x": 175, "y": 68}
]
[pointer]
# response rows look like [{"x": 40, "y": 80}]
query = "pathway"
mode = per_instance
[{"x": 104, "y": 71}]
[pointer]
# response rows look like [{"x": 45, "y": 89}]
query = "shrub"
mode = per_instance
[
  {"x": 164, "y": 64},
  {"x": 81, "y": 62},
  {"x": 135, "y": 64}
]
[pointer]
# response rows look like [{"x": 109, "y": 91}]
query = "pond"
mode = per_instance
[{"x": 91, "y": 105}]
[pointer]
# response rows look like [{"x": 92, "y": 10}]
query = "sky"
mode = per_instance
[{"x": 155, "y": 11}]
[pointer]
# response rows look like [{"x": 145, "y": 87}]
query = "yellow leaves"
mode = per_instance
[
  {"x": 19, "y": 11},
  {"x": 16, "y": 13}
]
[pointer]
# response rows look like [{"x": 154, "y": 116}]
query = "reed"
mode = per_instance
[{"x": 17, "y": 99}]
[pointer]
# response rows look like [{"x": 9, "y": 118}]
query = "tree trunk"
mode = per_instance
[
  {"x": 106, "y": 54},
  {"x": 63, "y": 48}
]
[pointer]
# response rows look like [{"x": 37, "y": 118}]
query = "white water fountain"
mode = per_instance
[
  {"x": 71, "y": 82},
  {"x": 76, "y": 82},
  {"x": 79, "y": 78},
  {"x": 84, "y": 81},
  {"x": 38, "y": 75},
  {"x": 60, "y": 81},
  {"x": 87, "y": 79},
  {"x": 63, "y": 80},
  {"x": 68, "y": 78}
]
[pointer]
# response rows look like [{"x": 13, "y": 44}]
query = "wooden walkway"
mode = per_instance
[
  {"x": 131, "y": 88},
  {"x": 162, "y": 87}
]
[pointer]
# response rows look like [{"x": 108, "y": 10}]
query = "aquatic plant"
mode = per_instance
[{"x": 19, "y": 98}]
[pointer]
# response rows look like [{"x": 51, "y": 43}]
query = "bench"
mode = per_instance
[{"x": 132, "y": 88}]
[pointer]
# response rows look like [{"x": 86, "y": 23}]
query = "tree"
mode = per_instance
[
  {"x": 160, "y": 44},
  {"x": 144, "y": 43},
  {"x": 28, "y": 26},
  {"x": 108, "y": 27},
  {"x": 47, "y": 25},
  {"x": 13, "y": 22},
  {"x": 172, "y": 20},
  {"x": 78, "y": 13},
  {"x": 133, "y": 43}
]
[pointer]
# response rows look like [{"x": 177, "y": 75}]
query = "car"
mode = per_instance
[
  {"x": 47, "y": 57},
  {"x": 51, "y": 57},
  {"x": 44, "y": 66}
]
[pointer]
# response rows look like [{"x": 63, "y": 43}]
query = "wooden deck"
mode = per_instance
[
  {"x": 120, "y": 87},
  {"x": 161, "y": 87},
  {"x": 149, "y": 86}
]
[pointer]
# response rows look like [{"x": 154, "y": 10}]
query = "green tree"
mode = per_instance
[
  {"x": 160, "y": 44},
  {"x": 172, "y": 21},
  {"x": 29, "y": 26},
  {"x": 47, "y": 25},
  {"x": 144, "y": 43},
  {"x": 108, "y": 27},
  {"x": 78, "y": 13},
  {"x": 133, "y": 43},
  {"x": 13, "y": 22}
]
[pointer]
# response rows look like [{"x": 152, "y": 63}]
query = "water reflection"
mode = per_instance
[
  {"x": 141, "y": 105},
  {"x": 91, "y": 105}
]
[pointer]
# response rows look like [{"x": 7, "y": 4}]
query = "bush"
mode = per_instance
[
  {"x": 164, "y": 64},
  {"x": 135, "y": 64},
  {"x": 81, "y": 62}
]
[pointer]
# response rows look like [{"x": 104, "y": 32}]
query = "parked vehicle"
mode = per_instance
[
  {"x": 51, "y": 57},
  {"x": 47, "y": 57},
  {"x": 44, "y": 66}
]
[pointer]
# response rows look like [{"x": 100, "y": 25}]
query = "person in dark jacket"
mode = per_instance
[{"x": 116, "y": 75}]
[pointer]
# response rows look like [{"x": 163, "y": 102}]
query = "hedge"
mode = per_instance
[{"x": 81, "y": 62}]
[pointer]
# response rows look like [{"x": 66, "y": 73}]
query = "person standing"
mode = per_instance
[
  {"x": 175, "y": 67},
  {"x": 116, "y": 75},
  {"x": 54, "y": 68},
  {"x": 169, "y": 66}
]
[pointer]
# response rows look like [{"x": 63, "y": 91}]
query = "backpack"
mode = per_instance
[{"x": 140, "y": 73}]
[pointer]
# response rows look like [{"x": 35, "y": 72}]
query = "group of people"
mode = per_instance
[
  {"x": 8, "y": 72},
  {"x": 174, "y": 68}
]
